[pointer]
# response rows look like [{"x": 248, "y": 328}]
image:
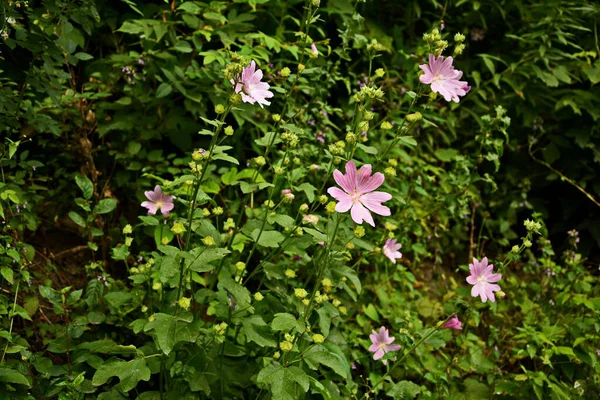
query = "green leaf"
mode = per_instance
[
  {"x": 10, "y": 375},
  {"x": 267, "y": 238},
  {"x": 183, "y": 47},
  {"x": 283, "y": 322},
  {"x": 285, "y": 383},
  {"x": 446, "y": 155},
  {"x": 128, "y": 372},
  {"x": 371, "y": 312},
  {"x": 320, "y": 354},
  {"x": 83, "y": 56},
  {"x": 593, "y": 74},
  {"x": 78, "y": 219},
  {"x": 308, "y": 189},
  {"x": 105, "y": 206},
  {"x": 166, "y": 328},
  {"x": 164, "y": 89},
  {"x": 239, "y": 295},
  {"x": 8, "y": 274},
  {"x": 409, "y": 140},
  {"x": 86, "y": 186},
  {"x": 404, "y": 390},
  {"x": 258, "y": 331},
  {"x": 205, "y": 257},
  {"x": 169, "y": 267}
]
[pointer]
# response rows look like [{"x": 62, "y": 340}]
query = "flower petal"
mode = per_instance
[
  {"x": 373, "y": 202},
  {"x": 360, "y": 213}
]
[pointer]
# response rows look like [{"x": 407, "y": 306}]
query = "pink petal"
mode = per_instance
[
  {"x": 378, "y": 354},
  {"x": 360, "y": 213},
  {"x": 152, "y": 208},
  {"x": 394, "y": 347},
  {"x": 374, "y": 347},
  {"x": 472, "y": 279},
  {"x": 166, "y": 208},
  {"x": 494, "y": 278},
  {"x": 373, "y": 202},
  {"x": 343, "y": 181},
  {"x": 370, "y": 184},
  {"x": 345, "y": 201}
]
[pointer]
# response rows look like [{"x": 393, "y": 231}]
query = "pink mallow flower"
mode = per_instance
[
  {"x": 358, "y": 195},
  {"x": 453, "y": 323},
  {"x": 382, "y": 343},
  {"x": 314, "y": 50},
  {"x": 158, "y": 201},
  {"x": 253, "y": 90},
  {"x": 390, "y": 250},
  {"x": 443, "y": 78},
  {"x": 483, "y": 280}
]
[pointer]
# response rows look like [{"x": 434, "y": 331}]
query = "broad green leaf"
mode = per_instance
[
  {"x": 267, "y": 238},
  {"x": 258, "y": 331},
  {"x": 283, "y": 322},
  {"x": 166, "y": 328},
  {"x": 86, "y": 186},
  {"x": 10, "y": 375},
  {"x": 164, "y": 89},
  {"x": 319, "y": 354},
  {"x": 404, "y": 390},
  {"x": 105, "y": 206},
  {"x": 8, "y": 274},
  {"x": 285, "y": 383},
  {"x": 130, "y": 373},
  {"x": 203, "y": 261},
  {"x": 78, "y": 219}
]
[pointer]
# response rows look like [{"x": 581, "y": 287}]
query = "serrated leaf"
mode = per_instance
[
  {"x": 320, "y": 354},
  {"x": 283, "y": 322},
  {"x": 267, "y": 238}
]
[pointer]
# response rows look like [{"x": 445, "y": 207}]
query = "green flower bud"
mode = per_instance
[
  {"x": 285, "y": 72},
  {"x": 229, "y": 130},
  {"x": 219, "y": 108}
]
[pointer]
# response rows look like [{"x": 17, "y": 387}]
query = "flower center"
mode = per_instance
[
  {"x": 481, "y": 279},
  {"x": 356, "y": 197},
  {"x": 438, "y": 77},
  {"x": 159, "y": 204}
]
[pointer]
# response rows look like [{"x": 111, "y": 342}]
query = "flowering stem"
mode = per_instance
[
  {"x": 395, "y": 140},
  {"x": 213, "y": 143}
]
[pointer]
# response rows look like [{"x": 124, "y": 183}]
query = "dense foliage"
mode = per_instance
[{"x": 172, "y": 225}]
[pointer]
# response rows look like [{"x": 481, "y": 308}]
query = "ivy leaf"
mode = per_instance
[
  {"x": 128, "y": 372},
  {"x": 285, "y": 383}
]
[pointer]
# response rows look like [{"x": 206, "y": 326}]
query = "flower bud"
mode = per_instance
[
  {"x": 300, "y": 293},
  {"x": 178, "y": 228},
  {"x": 286, "y": 346},
  {"x": 285, "y": 72},
  {"x": 304, "y": 208},
  {"x": 276, "y": 117},
  {"x": 316, "y": 3},
  {"x": 258, "y": 296},
  {"x": 527, "y": 243},
  {"x": 359, "y": 231},
  {"x": 229, "y": 130},
  {"x": 260, "y": 161},
  {"x": 368, "y": 115},
  {"x": 379, "y": 72},
  {"x": 318, "y": 338},
  {"x": 240, "y": 266},
  {"x": 306, "y": 302},
  {"x": 350, "y": 138},
  {"x": 385, "y": 125},
  {"x": 301, "y": 67},
  {"x": 515, "y": 249},
  {"x": 209, "y": 241},
  {"x": 330, "y": 208},
  {"x": 323, "y": 199},
  {"x": 184, "y": 302},
  {"x": 290, "y": 273},
  {"x": 219, "y": 108},
  {"x": 459, "y": 37},
  {"x": 414, "y": 117}
]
